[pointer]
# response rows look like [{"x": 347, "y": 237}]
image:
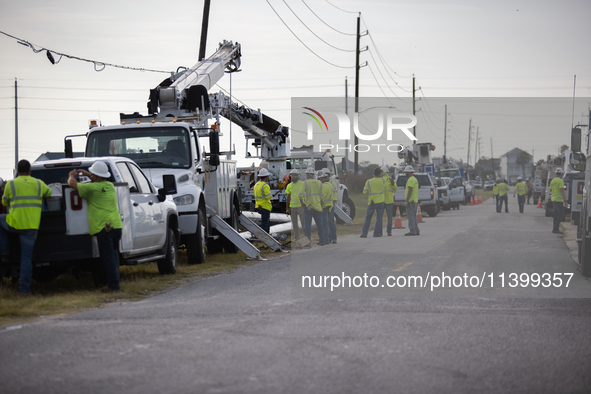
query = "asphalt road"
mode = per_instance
[{"x": 258, "y": 331}]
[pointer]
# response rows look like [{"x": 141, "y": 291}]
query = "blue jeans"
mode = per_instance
[
  {"x": 389, "y": 213},
  {"x": 27, "y": 239},
  {"x": 411, "y": 215},
  {"x": 558, "y": 215},
  {"x": 371, "y": 208},
  {"x": 330, "y": 228},
  {"x": 265, "y": 218},
  {"x": 310, "y": 214},
  {"x": 521, "y": 202},
  {"x": 108, "y": 243}
]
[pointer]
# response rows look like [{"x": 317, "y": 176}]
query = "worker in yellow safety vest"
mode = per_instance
[
  {"x": 503, "y": 189},
  {"x": 521, "y": 190},
  {"x": 375, "y": 189},
  {"x": 331, "y": 229},
  {"x": 311, "y": 195},
  {"x": 294, "y": 204},
  {"x": 389, "y": 197},
  {"x": 327, "y": 204},
  {"x": 23, "y": 196},
  {"x": 496, "y": 193},
  {"x": 262, "y": 198},
  {"x": 558, "y": 200},
  {"x": 411, "y": 200}
]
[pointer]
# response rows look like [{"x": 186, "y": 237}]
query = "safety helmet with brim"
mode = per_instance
[{"x": 100, "y": 169}]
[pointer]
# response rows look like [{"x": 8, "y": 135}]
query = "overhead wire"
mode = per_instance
[
  {"x": 302, "y": 42},
  {"x": 95, "y": 62},
  {"x": 316, "y": 35},
  {"x": 348, "y": 12},
  {"x": 321, "y": 20}
]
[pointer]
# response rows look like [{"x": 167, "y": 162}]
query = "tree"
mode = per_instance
[
  {"x": 563, "y": 148},
  {"x": 522, "y": 160}
]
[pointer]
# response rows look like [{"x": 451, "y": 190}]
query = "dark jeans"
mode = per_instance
[
  {"x": 521, "y": 202},
  {"x": 108, "y": 243},
  {"x": 27, "y": 239},
  {"x": 558, "y": 215},
  {"x": 330, "y": 229},
  {"x": 389, "y": 214},
  {"x": 310, "y": 214},
  {"x": 265, "y": 218},
  {"x": 500, "y": 207},
  {"x": 371, "y": 208}
]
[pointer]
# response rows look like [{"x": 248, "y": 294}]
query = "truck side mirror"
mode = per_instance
[
  {"x": 169, "y": 187},
  {"x": 575, "y": 139},
  {"x": 68, "y": 151},
  {"x": 214, "y": 147}
]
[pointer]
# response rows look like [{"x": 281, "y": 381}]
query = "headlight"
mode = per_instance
[{"x": 187, "y": 199}]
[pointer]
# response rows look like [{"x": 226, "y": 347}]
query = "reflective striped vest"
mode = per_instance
[
  {"x": 311, "y": 193},
  {"x": 24, "y": 198},
  {"x": 327, "y": 195},
  {"x": 375, "y": 187},
  {"x": 262, "y": 196}
]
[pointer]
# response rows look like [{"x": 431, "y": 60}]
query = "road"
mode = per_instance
[{"x": 257, "y": 330}]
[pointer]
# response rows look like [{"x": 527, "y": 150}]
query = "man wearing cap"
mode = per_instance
[
  {"x": 262, "y": 198},
  {"x": 411, "y": 200},
  {"x": 389, "y": 197},
  {"x": 23, "y": 197},
  {"x": 294, "y": 204},
  {"x": 558, "y": 200},
  {"x": 374, "y": 188},
  {"x": 103, "y": 217},
  {"x": 331, "y": 230},
  {"x": 311, "y": 195},
  {"x": 521, "y": 191},
  {"x": 503, "y": 190}
]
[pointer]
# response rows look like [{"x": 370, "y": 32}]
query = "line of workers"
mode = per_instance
[{"x": 316, "y": 198}]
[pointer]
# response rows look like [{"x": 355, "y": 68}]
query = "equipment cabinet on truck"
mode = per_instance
[{"x": 64, "y": 244}]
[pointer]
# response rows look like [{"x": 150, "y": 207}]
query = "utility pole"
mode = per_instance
[
  {"x": 347, "y": 141},
  {"x": 469, "y": 135},
  {"x": 357, "y": 67},
  {"x": 445, "y": 135},
  {"x": 15, "y": 126},
  {"x": 204, "y": 25},
  {"x": 414, "y": 129},
  {"x": 476, "y": 148}
]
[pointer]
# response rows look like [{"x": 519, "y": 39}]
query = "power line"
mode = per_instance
[
  {"x": 316, "y": 35},
  {"x": 348, "y": 12},
  {"x": 308, "y": 48},
  {"x": 321, "y": 20},
  {"x": 101, "y": 65}
]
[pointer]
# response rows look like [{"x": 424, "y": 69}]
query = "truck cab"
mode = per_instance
[{"x": 428, "y": 197}]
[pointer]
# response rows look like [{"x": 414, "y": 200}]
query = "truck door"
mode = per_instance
[
  {"x": 456, "y": 190},
  {"x": 142, "y": 210},
  {"x": 158, "y": 221}
]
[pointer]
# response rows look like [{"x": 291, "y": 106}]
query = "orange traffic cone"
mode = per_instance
[
  {"x": 398, "y": 220},
  {"x": 471, "y": 200},
  {"x": 419, "y": 215},
  {"x": 480, "y": 199},
  {"x": 540, "y": 202}
]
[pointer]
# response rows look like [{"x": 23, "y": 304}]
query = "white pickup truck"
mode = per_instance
[
  {"x": 428, "y": 197},
  {"x": 64, "y": 244}
]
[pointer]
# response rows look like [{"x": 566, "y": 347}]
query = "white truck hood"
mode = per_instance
[{"x": 155, "y": 175}]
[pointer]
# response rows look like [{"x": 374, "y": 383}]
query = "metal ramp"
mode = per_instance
[
  {"x": 231, "y": 234},
  {"x": 342, "y": 215},
  {"x": 258, "y": 232}
]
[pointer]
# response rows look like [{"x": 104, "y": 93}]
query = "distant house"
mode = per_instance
[
  {"x": 56, "y": 155},
  {"x": 516, "y": 162}
]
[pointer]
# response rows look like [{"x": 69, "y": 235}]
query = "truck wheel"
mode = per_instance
[
  {"x": 229, "y": 247},
  {"x": 432, "y": 211},
  {"x": 168, "y": 265},
  {"x": 348, "y": 207},
  {"x": 196, "y": 242}
]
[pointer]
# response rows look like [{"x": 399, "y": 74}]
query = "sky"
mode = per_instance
[{"x": 295, "y": 48}]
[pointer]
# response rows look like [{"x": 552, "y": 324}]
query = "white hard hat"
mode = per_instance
[
  {"x": 519, "y": 178},
  {"x": 326, "y": 170},
  {"x": 559, "y": 171},
  {"x": 322, "y": 174},
  {"x": 294, "y": 172},
  {"x": 310, "y": 170},
  {"x": 385, "y": 168},
  {"x": 264, "y": 172},
  {"x": 409, "y": 169},
  {"x": 99, "y": 168}
]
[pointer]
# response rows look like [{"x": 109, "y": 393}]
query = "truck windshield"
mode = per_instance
[
  {"x": 450, "y": 173},
  {"x": 148, "y": 147}
]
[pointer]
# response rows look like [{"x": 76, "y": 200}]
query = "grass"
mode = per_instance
[{"x": 65, "y": 294}]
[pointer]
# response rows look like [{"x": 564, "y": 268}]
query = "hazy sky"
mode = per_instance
[{"x": 454, "y": 49}]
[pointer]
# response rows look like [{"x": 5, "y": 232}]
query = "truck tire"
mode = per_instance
[
  {"x": 196, "y": 242},
  {"x": 168, "y": 265},
  {"x": 229, "y": 247},
  {"x": 348, "y": 207},
  {"x": 432, "y": 210}
]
